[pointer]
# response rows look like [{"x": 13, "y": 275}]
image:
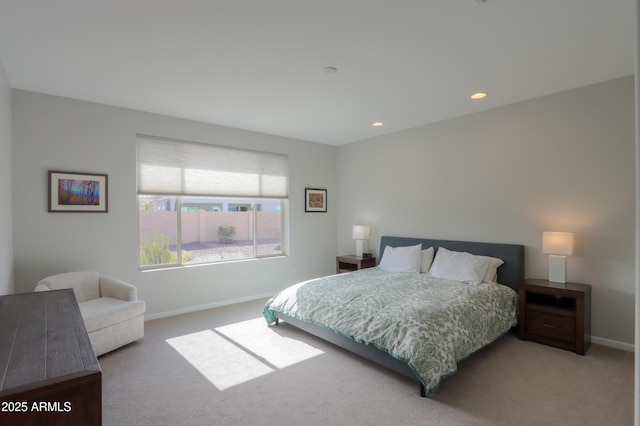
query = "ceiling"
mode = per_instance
[{"x": 260, "y": 64}]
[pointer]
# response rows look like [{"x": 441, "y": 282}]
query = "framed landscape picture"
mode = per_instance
[
  {"x": 315, "y": 200},
  {"x": 77, "y": 192}
]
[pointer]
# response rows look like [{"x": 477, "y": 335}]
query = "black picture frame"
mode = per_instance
[
  {"x": 73, "y": 192},
  {"x": 315, "y": 200}
]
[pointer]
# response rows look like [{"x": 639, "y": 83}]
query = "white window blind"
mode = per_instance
[{"x": 172, "y": 167}]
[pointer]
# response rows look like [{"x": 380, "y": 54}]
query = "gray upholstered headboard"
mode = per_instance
[{"x": 511, "y": 273}]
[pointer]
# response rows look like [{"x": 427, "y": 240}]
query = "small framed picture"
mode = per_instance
[
  {"x": 77, "y": 192},
  {"x": 315, "y": 200}
]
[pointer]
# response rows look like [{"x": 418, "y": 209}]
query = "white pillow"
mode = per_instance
[
  {"x": 401, "y": 259},
  {"x": 491, "y": 275},
  {"x": 427, "y": 260},
  {"x": 459, "y": 266}
]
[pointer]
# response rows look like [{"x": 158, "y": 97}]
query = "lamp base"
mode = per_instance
[
  {"x": 558, "y": 269},
  {"x": 359, "y": 248}
]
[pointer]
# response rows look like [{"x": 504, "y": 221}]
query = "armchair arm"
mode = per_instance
[{"x": 118, "y": 289}]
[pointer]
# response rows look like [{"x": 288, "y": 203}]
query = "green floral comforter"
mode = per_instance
[{"x": 429, "y": 323}]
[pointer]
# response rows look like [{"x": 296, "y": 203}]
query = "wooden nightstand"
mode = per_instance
[
  {"x": 556, "y": 314},
  {"x": 351, "y": 262}
]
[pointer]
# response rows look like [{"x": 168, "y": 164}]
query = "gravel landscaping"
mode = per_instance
[{"x": 215, "y": 252}]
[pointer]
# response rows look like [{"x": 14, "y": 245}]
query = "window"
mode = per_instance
[{"x": 202, "y": 203}]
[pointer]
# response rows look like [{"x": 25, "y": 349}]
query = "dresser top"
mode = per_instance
[{"x": 42, "y": 338}]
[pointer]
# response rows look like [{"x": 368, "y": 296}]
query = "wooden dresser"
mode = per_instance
[{"x": 49, "y": 374}]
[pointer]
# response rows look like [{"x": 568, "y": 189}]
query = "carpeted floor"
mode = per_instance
[{"x": 224, "y": 366}]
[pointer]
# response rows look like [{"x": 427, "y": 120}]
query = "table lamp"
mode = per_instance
[
  {"x": 558, "y": 245},
  {"x": 360, "y": 234}
]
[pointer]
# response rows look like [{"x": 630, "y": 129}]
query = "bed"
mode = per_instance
[{"x": 413, "y": 323}]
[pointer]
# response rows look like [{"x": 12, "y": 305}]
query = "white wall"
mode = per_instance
[
  {"x": 63, "y": 134},
  {"x": 563, "y": 162},
  {"x": 6, "y": 233}
]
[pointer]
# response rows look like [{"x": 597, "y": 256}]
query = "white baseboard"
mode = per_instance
[
  {"x": 206, "y": 306},
  {"x": 613, "y": 343}
]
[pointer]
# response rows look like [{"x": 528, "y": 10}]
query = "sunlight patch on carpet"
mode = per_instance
[
  {"x": 264, "y": 342},
  {"x": 220, "y": 361},
  {"x": 237, "y": 353}
]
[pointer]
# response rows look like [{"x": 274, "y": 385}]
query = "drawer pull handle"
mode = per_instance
[{"x": 548, "y": 326}]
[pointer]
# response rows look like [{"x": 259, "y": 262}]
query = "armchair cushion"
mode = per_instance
[{"x": 107, "y": 310}]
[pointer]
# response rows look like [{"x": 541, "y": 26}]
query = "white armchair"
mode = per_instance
[{"x": 110, "y": 307}]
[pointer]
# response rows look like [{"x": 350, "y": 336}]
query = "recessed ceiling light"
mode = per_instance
[
  {"x": 478, "y": 95},
  {"x": 377, "y": 124},
  {"x": 330, "y": 70}
]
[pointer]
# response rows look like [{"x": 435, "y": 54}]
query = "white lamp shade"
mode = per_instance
[
  {"x": 361, "y": 232},
  {"x": 559, "y": 243}
]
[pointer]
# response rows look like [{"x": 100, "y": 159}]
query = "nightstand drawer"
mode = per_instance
[
  {"x": 551, "y": 326},
  {"x": 350, "y": 263}
]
